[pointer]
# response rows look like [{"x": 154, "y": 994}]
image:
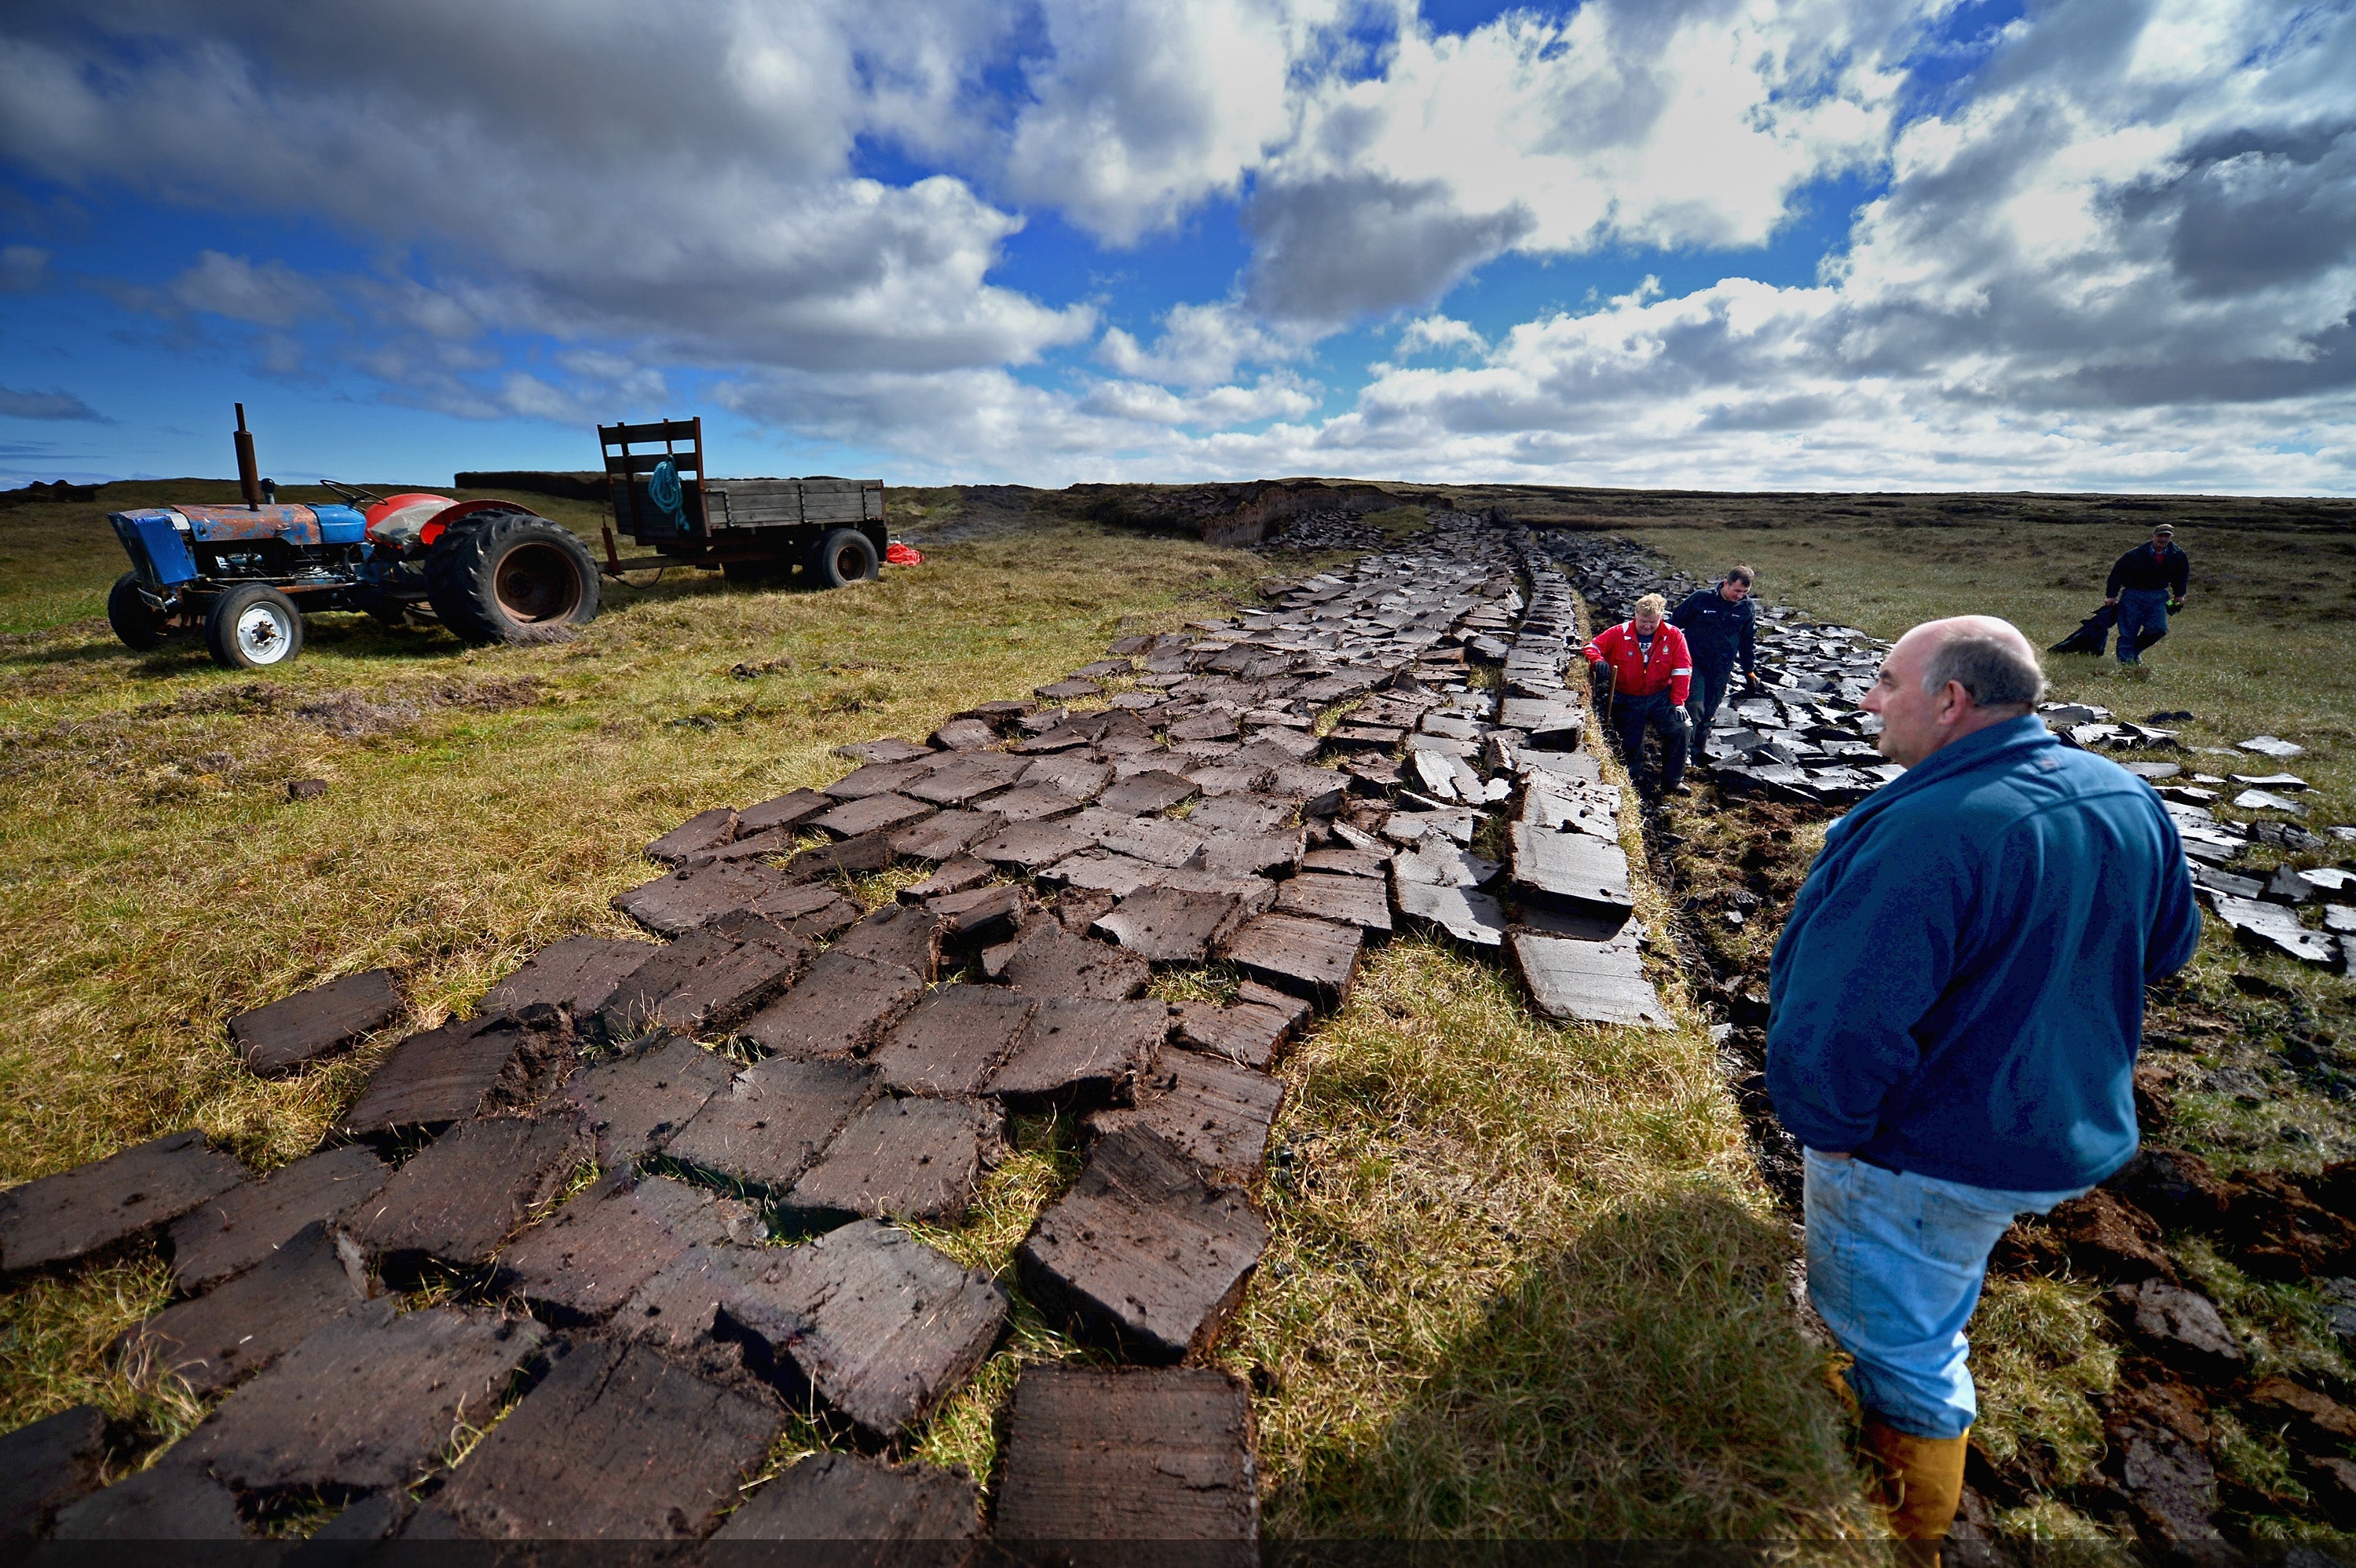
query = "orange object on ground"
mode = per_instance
[{"x": 898, "y": 554}]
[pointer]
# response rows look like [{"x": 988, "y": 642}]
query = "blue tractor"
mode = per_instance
[{"x": 491, "y": 571}]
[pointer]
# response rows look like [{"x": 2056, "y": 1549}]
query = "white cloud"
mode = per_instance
[
  {"x": 271, "y": 295},
  {"x": 1442, "y": 334},
  {"x": 1200, "y": 345}
]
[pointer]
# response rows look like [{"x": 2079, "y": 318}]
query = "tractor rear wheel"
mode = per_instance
[
  {"x": 505, "y": 577},
  {"x": 134, "y": 621},
  {"x": 844, "y": 557},
  {"x": 252, "y": 626}
]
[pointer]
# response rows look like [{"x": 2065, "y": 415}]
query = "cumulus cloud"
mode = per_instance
[
  {"x": 1426, "y": 333},
  {"x": 271, "y": 295},
  {"x": 1200, "y": 345}
]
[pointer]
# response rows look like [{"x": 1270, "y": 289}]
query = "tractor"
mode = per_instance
[{"x": 490, "y": 571}]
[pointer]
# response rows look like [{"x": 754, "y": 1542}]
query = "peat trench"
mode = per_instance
[
  {"x": 654, "y": 1197},
  {"x": 2191, "y": 1381}
]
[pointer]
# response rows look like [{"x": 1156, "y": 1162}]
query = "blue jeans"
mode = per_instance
[
  {"x": 1633, "y": 716},
  {"x": 2141, "y": 610},
  {"x": 1895, "y": 1263}
]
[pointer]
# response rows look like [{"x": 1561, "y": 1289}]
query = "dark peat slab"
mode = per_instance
[
  {"x": 768, "y": 1127},
  {"x": 615, "y": 1444},
  {"x": 48, "y": 1465},
  {"x": 245, "y": 1323},
  {"x": 468, "y": 1067},
  {"x": 1050, "y": 961},
  {"x": 76, "y": 1213},
  {"x": 311, "y": 1024},
  {"x": 634, "y": 1101},
  {"x": 910, "y": 1159},
  {"x": 708, "y": 980},
  {"x": 1213, "y": 1110},
  {"x": 1082, "y": 1053},
  {"x": 897, "y": 933},
  {"x": 954, "y": 1040},
  {"x": 1171, "y": 925},
  {"x": 247, "y": 1224},
  {"x": 845, "y": 1497},
  {"x": 367, "y": 1401},
  {"x": 577, "y": 974},
  {"x": 1166, "y": 1454},
  {"x": 1314, "y": 959},
  {"x": 1591, "y": 982},
  {"x": 471, "y": 1189},
  {"x": 586, "y": 1260},
  {"x": 677, "y": 904},
  {"x": 1142, "y": 1253},
  {"x": 842, "y": 1006},
  {"x": 705, "y": 830},
  {"x": 1344, "y": 900},
  {"x": 172, "y": 1502}
]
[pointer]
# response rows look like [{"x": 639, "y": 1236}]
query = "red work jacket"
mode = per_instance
[{"x": 1670, "y": 667}]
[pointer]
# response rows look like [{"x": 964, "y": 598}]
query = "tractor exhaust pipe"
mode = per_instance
[{"x": 248, "y": 472}]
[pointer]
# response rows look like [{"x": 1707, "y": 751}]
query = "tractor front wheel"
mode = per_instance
[
  {"x": 135, "y": 622},
  {"x": 505, "y": 577},
  {"x": 252, "y": 626}
]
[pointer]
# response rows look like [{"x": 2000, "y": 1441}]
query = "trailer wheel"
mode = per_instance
[
  {"x": 844, "y": 557},
  {"x": 135, "y": 622},
  {"x": 502, "y": 576},
  {"x": 252, "y": 626}
]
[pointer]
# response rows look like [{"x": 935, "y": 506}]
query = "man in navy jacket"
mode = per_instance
[
  {"x": 2145, "y": 584},
  {"x": 1955, "y": 1004},
  {"x": 1720, "y": 625}
]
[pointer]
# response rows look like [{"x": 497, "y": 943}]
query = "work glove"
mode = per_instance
[
  {"x": 2174, "y": 606},
  {"x": 1751, "y": 684}
]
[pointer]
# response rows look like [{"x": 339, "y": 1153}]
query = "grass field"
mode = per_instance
[{"x": 1522, "y": 1281}]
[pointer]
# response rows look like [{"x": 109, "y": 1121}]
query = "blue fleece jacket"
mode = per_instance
[{"x": 1959, "y": 989}]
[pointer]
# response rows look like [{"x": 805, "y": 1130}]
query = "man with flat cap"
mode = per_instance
[
  {"x": 1955, "y": 1004},
  {"x": 2145, "y": 584}
]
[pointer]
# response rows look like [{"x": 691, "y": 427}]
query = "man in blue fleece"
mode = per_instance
[{"x": 1956, "y": 1001}]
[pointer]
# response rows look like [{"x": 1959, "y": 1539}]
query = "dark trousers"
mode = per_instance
[
  {"x": 2142, "y": 621},
  {"x": 1709, "y": 688},
  {"x": 1632, "y": 716}
]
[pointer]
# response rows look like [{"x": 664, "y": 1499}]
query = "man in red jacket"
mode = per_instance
[{"x": 1651, "y": 672}]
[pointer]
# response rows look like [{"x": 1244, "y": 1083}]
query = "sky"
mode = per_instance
[{"x": 1724, "y": 244}]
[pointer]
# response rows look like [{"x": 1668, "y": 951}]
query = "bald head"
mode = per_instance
[{"x": 1947, "y": 679}]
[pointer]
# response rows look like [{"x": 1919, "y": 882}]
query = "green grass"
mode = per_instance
[{"x": 1521, "y": 1279}]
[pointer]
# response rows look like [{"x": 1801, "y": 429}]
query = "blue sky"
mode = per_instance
[{"x": 1712, "y": 243}]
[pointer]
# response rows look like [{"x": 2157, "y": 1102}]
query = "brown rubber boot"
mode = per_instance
[{"x": 1921, "y": 1479}]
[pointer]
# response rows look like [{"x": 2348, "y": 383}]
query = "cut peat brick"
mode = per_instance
[
  {"x": 1028, "y": 847},
  {"x": 1209, "y": 1109},
  {"x": 248, "y": 1322},
  {"x": 1246, "y": 1033},
  {"x": 705, "y": 830},
  {"x": 682, "y": 901},
  {"x": 612, "y": 1444},
  {"x": 1161, "y": 1455},
  {"x": 953, "y": 1040},
  {"x": 1312, "y": 958},
  {"x": 842, "y": 1006},
  {"x": 895, "y": 934},
  {"x": 968, "y": 778},
  {"x": 889, "y": 749},
  {"x": 851, "y": 858},
  {"x": 577, "y": 974},
  {"x": 48, "y": 1465},
  {"x": 311, "y": 1024},
  {"x": 880, "y": 778},
  {"x": 1082, "y": 1052},
  {"x": 1102, "y": 871},
  {"x": 982, "y": 914},
  {"x": 875, "y": 1323},
  {"x": 707, "y": 981},
  {"x": 1148, "y": 793},
  {"x": 1076, "y": 778},
  {"x": 585, "y": 1261},
  {"x": 1033, "y": 803},
  {"x": 904, "y": 1159},
  {"x": 634, "y": 1101},
  {"x": 467, "y": 1067},
  {"x": 784, "y": 811},
  {"x": 1050, "y": 961},
  {"x": 77, "y": 1212},
  {"x": 1592, "y": 982},
  {"x": 469, "y": 1190},
  {"x": 1142, "y": 1253},
  {"x": 1362, "y": 902},
  {"x": 844, "y": 1497},
  {"x": 960, "y": 874},
  {"x": 1167, "y": 925},
  {"x": 173, "y": 1502},
  {"x": 945, "y": 835},
  {"x": 876, "y": 814},
  {"x": 247, "y": 1224},
  {"x": 367, "y": 1401},
  {"x": 766, "y": 1131}
]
